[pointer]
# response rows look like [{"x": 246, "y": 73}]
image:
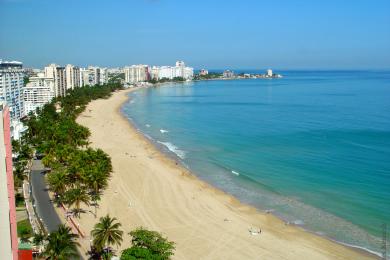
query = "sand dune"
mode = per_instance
[{"x": 148, "y": 189}]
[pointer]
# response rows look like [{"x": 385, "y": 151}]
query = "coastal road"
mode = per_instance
[{"x": 44, "y": 206}]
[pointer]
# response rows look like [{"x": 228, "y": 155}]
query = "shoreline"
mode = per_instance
[{"x": 209, "y": 202}]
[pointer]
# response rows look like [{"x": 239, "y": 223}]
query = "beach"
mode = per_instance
[{"x": 149, "y": 189}]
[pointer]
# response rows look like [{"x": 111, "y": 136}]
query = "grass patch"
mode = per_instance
[
  {"x": 25, "y": 230},
  {"x": 19, "y": 200}
]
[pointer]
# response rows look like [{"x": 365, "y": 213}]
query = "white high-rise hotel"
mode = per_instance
[
  {"x": 71, "y": 77},
  {"x": 39, "y": 91},
  {"x": 140, "y": 73},
  {"x": 57, "y": 73},
  {"x": 11, "y": 87},
  {"x": 137, "y": 73}
]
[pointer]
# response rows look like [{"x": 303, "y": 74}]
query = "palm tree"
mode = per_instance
[
  {"x": 106, "y": 233},
  {"x": 38, "y": 239},
  {"x": 75, "y": 197},
  {"x": 61, "y": 244},
  {"x": 58, "y": 181}
]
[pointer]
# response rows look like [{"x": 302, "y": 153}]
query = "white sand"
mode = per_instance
[{"x": 148, "y": 189}]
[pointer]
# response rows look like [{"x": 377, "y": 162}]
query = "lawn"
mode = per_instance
[{"x": 25, "y": 230}]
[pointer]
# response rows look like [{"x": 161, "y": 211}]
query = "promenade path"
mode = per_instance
[
  {"x": 50, "y": 215},
  {"x": 42, "y": 202}
]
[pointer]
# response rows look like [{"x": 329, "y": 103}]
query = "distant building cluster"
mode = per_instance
[
  {"x": 228, "y": 74},
  {"x": 25, "y": 90},
  {"x": 70, "y": 77},
  {"x": 143, "y": 73},
  {"x": 203, "y": 72}
]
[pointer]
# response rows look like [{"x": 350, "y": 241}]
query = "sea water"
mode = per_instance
[{"x": 312, "y": 147}]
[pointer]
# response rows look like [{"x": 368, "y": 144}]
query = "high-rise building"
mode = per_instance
[
  {"x": 60, "y": 81},
  {"x": 84, "y": 77},
  {"x": 72, "y": 76},
  {"x": 8, "y": 234},
  {"x": 169, "y": 72},
  {"x": 203, "y": 72},
  {"x": 11, "y": 87},
  {"x": 154, "y": 72},
  {"x": 103, "y": 76},
  {"x": 137, "y": 73},
  {"x": 91, "y": 76},
  {"x": 269, "y": 73},
  {"x": 39, "y": 91},
  {"x": 50, "y": 71},
  {"x": 188, "y": 73},
  {"x": 228, "y": 74},
  {"x": 59, "y": 75},
  {"x": 180, "y": 67}
]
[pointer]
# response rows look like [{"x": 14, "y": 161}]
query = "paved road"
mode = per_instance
[{"x": 44, "y": 206}]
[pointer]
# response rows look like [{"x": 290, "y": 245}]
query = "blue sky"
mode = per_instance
[{"x": 284, "y": 34}]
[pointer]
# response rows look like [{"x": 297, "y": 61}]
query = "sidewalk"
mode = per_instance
[{"x": 35, "y": 222}]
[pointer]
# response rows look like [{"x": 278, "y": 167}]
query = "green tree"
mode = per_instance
[
  {"x": 58, "y": 181},
  {"x": 26, "y": 80},
  {"x": 106, "y": 232},
  {"x": 93, "y": 167},
  {"x": 38, "y": 239},
  {"x": 148, "y": 245},
  {"x": 74, "y": 197},
  {"x": 61, "y": 244}
]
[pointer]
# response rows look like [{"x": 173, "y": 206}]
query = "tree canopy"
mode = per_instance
[
  {"x": 148, "y": 245},
  {"x": 78, "y": 172}
]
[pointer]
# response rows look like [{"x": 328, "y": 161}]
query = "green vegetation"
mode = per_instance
[
  {"x": 26, "y": 80},
  {"x": 148, "y": 245},
  {"x": 145, "y": 244},
  {"x": 211, "y": 75},
  {"x": 24, "y": 230},
  {"x": 23, "y": 153},
  {"x": 163, "y": 80},
  {"x": 106, "y": 233},
  {"x": 117, "y": 77},
  {"x": 19, "y": 200},
  {"x": 61, "y": 244},
  {"x": 78, "y": 175},
  {"x": 38, "y": 239},
  {"x": 58, "y": 245},
  {"x": 78, "y": 172}
]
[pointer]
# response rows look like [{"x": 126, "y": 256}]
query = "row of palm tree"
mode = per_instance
[
  {"x": 23, "y": 154},
  {"x": 146, "y": 244},
  {"x": 78, "y": 173},
  {"x": 107, "y": 233},
  {"x": 78, "y": 176}
]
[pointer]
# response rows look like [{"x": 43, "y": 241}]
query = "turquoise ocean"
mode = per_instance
[{"x": 312, "y": 147}]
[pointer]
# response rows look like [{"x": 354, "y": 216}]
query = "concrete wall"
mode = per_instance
[{"x": 8, "y": 234}]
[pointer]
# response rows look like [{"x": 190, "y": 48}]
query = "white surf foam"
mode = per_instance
[
  {"x": 236, "y": 173},
  {"x": 298, "y": 222},
  {"x": 148, "y": 136},
  {"x": 147, "y": 125},
  {"x": 163, "y": 131},
  {"x": 171, "y": 147}
]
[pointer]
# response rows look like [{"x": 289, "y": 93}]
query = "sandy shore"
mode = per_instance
[{"x": 148, "y": 189}]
